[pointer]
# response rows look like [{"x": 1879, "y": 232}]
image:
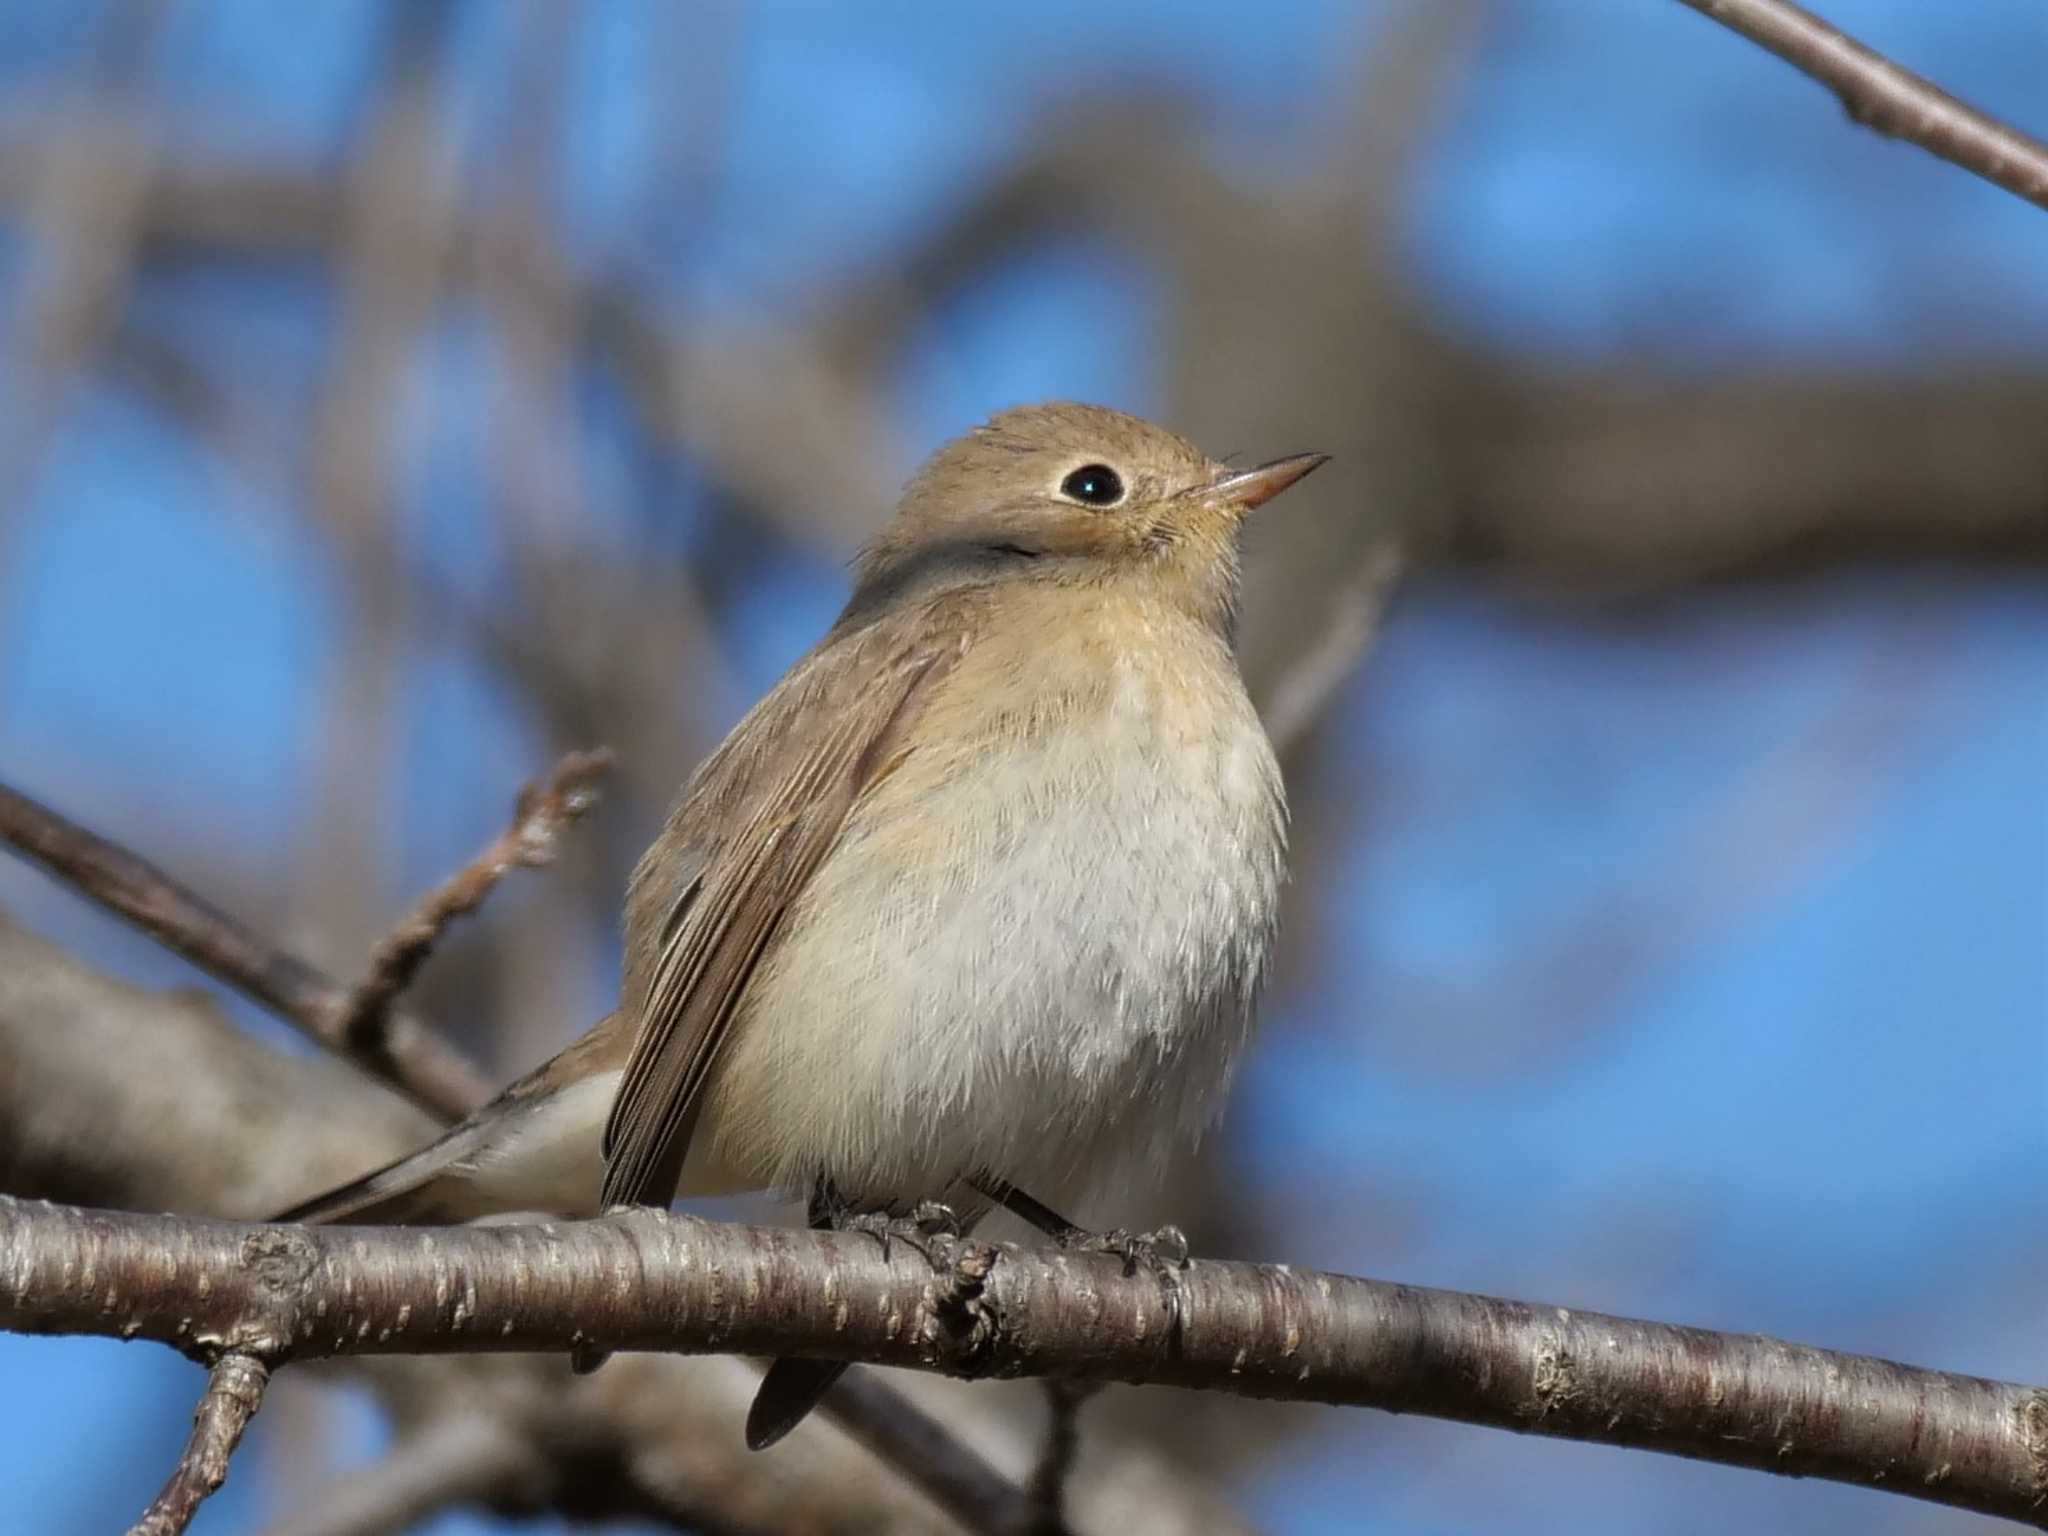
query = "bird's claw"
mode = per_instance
[
  {"x": 1164, "y": 1251},
  {"x": 927, "y": 1219}
]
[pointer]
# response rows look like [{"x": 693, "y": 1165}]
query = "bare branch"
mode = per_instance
[
  {"x": 544, "y": 811},
  {"x": 1895, "y": 102},
  {"x": 234, "y": 1391},
  {"x": 655, "y": 1281},
  {"x": 409, "y": 1055}
]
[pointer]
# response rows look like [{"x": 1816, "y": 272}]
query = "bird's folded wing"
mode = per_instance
[{"x": 725, "y": 919}]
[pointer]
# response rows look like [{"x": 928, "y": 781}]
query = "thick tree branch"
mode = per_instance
[
  {"x": 1895, "y": 102},
  {"x": 234, "y": 1391},
  {"x": 653, "y": 1281},
  {"x": 405, "y": 1053}
]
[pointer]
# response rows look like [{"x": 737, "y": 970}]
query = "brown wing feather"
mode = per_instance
[{"x": 725, "y": 920}]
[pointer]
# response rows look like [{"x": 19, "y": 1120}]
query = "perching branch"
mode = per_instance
[
  {"x": 234, "y": 1391},
  {"x": 1895, "y": 102},
  {"x": 653, "y": 1281},
  {"x": 406, "y": 1054}
]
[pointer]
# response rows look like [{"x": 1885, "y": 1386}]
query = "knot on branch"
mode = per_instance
[
  {"x": 2033, "y": 1417},
  {"x": 281, "y": 1258},
  {"x": 545, "y": 809},
  {"x": 957, "y": 1323},
  {"x": 1554, "y": 1374}
]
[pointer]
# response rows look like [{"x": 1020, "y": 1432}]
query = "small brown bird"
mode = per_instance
[{"x": 975, "y": 902}]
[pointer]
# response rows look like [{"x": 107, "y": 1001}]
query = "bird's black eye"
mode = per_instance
[{"x": 1095, "y": 484}]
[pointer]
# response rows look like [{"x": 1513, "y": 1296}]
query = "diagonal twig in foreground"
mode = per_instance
[
  {"x": 1888, "y": 99},
  {"x": 234, "y": 1391}
]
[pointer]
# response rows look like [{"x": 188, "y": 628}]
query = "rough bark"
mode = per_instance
[{"x": 655, "y": 1281}]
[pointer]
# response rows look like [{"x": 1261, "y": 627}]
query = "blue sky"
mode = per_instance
[{"x": 1691, "y": 965}]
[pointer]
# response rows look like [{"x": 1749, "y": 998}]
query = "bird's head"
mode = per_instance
[{"x": 1074, "y": 493}]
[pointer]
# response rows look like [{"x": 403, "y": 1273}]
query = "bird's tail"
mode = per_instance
[
  {"x": 429, "y": 1186},
  {"x": 789, "y": 1391}
]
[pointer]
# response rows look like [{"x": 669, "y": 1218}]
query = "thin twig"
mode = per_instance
[
  {"x": 410, "y": 1055},
  {"x": 234, "y": 1391},
  {"x": 1893, "y": 101},
  {"x": 544, "y": 811},
  {"x": 656, "y": 1281}
]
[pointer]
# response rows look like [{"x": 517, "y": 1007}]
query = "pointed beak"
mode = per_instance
[{"x": 1248, "y": 488}]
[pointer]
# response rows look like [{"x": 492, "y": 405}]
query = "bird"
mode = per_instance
[{"x": 972, "y": 908}]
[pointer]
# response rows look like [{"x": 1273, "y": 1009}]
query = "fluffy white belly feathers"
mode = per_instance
[{"x": 1034, "y": 959}]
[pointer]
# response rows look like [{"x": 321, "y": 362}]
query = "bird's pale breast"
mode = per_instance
[{"x": 1035, "y": 947}]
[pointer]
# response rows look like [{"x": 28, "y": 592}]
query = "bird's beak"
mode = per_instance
[{"x": 1248, "y": 488}]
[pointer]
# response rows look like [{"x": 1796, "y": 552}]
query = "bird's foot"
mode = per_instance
[
  {"x": 926, "y": 1220},
  {"x": 1164, "y": 1252}
]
